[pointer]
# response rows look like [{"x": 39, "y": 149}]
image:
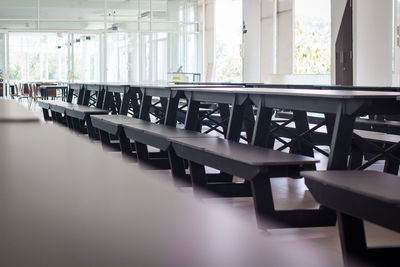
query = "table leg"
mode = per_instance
[
  {"x": 224, "y": 113},
  {"x": 145, "y": 108},
  {"x": 107, "y": 101},
  {"x": 330, "y": 124},
  {"x": 248, "y": 119},
  {"x": 262, "y": 135},
  {"x": 341, "y": 140},
  {"x": 235, "y": 122},
  {"x": 192, "y": 116},
  {"x": 125, "y": 102},
  {"x": 117, "y": 97},
  {"x": 171, "y": 111}
]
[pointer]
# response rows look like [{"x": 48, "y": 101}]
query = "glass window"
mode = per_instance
[
  {"x": 38, "y": 56},
  {"x": 228, "y": 39},
  {"x": 86, "y": 57},
  {"x": 105, "y": 40},
  {"x": 122, "y": 57},
  {"x": 145, "y": 57},
  {"x": 160, "y": 57},
  {"x": 312, "y": 49},
  {"x": 2, "y": 55}
]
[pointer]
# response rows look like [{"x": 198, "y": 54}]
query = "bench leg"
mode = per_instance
[
  {"x": 352, "y": 238},
  {"x": 125, "y": 144},
  {"x": 354, "y": 246},
  {"x": 77, "y": 126},
  {"x": 59, "y": 118},
  {"x": 142, "y": 152},
  {"x": 198, "y": 177},
  {"x": 264, "y": 208},
  {"x": 178, "y": 169},
  {"x": 69, "y": 122},
  {"x": 53, "y": 116},
  {"x": 91, "y": 130},
  {"x": 46, "y": 115},
  {"x": 104, "y": 138},
  {"x": 263, "y": 200},
  {"x": 200, "y": 184}
]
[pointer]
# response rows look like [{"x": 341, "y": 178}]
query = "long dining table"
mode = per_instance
[{"x": 340, "y": 107}]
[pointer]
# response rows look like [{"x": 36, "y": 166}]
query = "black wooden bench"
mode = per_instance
[
  {"x": 112, "y": 125},
  {"x": 46, "y": 104},
  {"x": 76, "y": 115},
  {"x": 256, "y": 165},
  {"x": 58, "y": 111},
  {"x": 356, "y": 196},
  {"x": 159, "y": 136}
]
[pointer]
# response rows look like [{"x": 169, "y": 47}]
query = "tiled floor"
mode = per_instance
[{"x": 290, "y": 194}]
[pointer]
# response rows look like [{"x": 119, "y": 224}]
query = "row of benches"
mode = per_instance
[{"x": 255, "y": 164}]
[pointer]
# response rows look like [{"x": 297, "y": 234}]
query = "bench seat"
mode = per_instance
[
  {"x": 82, "y": 112},
  {"x": 159, "y": 136},
  {"x": 112, "y": 124},
  {"x": 60, "y": 106},
  {"x": 356, "y": 196},
  {"x": 369, "y": 195},
  {"x": 257, "y": 165},
  {"x": 239, "y": 159},
  {"x": 47, "y": 103}
]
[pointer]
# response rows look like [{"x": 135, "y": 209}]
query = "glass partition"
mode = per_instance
[{"x": 100, "y": 40}]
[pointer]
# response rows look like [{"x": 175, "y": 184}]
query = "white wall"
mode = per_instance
[
  {"x": 372, "y": 35},
  {"x": 251, "y": 48}
]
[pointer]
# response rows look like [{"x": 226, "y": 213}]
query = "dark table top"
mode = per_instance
[
  {"x": 53, "y": 86},
  {"x": 12, "y": 111},
  {"x": 343, "y": 94},
  {"x": 103, "y": 211},
  {"x": 183, "y": 86}
]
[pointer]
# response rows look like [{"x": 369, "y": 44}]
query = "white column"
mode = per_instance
[
  {"x": 251, "y": 49},
  {"x": 209, "y": 41},
  {"x": 372, "y": 42}
]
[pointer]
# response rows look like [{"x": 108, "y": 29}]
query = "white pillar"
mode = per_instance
[
  {"x": 251, "y": 49},
  {"x": 372, "y": 42},
  {"x": 209, "y": 41}
]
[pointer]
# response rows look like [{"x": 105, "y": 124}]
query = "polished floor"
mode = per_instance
[{"x": 291, "y": 194}]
